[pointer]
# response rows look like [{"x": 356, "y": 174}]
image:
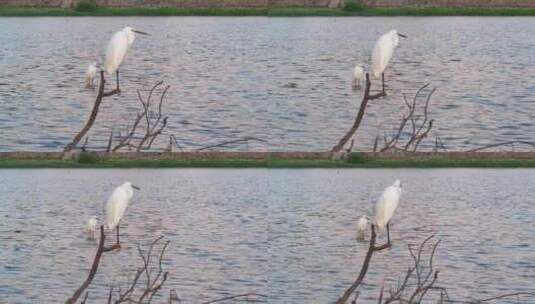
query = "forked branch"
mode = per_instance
[
  {"x": 358, "y": 119},
  {"x": 96, "y": 262},
  {"x": 419, "y": 129},
  {"x": 153, "y": 125},
  {"x": 364, "y": 268},
  {"x": 94, "y": 113}
]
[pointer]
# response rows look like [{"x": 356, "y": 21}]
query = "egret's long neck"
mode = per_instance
[{"x": 130, "y": 37}]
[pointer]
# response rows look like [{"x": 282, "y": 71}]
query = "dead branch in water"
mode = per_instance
[
  {"x": 83, "y": 148},
  {"x": 148, "y": 280},
  {"x": 94, "y": 112},
  {"x": 96, "y": 262},
  {"x": 173, "y": 143},
  {"x": 439, "y": 144},
  {"x": 154, "y": 126},
  {"x": 230, "y": 142},
  {"x": 416, "y": 284},
  {"x": 358, "y": 119},
  {"x": 364, "y": 269},
  {"x": 245, "y": 295},
  {"x": 419, "y": 130},
  {"x": 512, "y": 142},
  {"x": 153, "y": 281},
  {"x": 508, "y": 295},
  {"x": 419, "y": 279},
  {"x": 419, "y": 284}
]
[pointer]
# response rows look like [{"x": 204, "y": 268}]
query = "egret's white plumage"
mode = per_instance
[
  {"x": 362, "y": 226},
  {"x": 117, "y": 204},
  {"x": 117, "y": 48},
  {"x": 358, "y": 76},
  {"x": 91, "y": 227},
  {"x": 387, "y": 204},
  {"x": 90, "y": 74},
  {"x": 383, "y": 50}
]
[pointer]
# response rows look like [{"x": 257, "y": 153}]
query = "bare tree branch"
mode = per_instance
[
  {"x": 96, "y": 262},
  {"x": 502, "y": 144},
  {"x": 153, "y": 126},
  {"x": 152, "y": 284},
  {"x": 235, "y": 297},
  {"x": 358, "y": 119},
  {"x": 93, "y": 116},
  {"x": 230, "y": 142},
  {"x": 419, "y": 130},
  {"x": 364, "y": 269}
]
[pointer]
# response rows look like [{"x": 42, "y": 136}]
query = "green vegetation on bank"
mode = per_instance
[
  {"x": 87, "y": 8},
  {"x": 354, "y": 161}
]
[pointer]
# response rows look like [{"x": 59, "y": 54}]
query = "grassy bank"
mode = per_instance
[
  {"x": 272, "y": 163},
  {"x": 272, "y": 12}
]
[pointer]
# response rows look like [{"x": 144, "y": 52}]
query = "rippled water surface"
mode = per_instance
[
  {"x": 285, "y": 80},
  {"x": 289, "y": 234}
]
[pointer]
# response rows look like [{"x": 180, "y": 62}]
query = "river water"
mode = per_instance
[
  {"x": 288, "y": 234},
  {"x": 283, "y": 80}
]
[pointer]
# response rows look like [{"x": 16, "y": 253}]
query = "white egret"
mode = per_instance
[
  {"x": 358, "y": 76},
  {"x": 117, "y": 48},
  {"x": 91, "y": 227},
  {"x": 116, "y": 205},
  {"x": 90, "y": 75},
  {"x": 382, "y": 53},
  {"x": 386, "y": 205},
  {"x": 362, "y": 226}
]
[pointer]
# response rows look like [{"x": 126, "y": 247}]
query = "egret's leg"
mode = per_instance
[
  {"x": 117, "y": 234},
  {"x": 117, "y": 74},
  {"x": 383, "y": 79},
  {"x": 388, "y": 232}
]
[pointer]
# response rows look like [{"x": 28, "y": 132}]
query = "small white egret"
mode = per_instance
[
  {"x": 386, "y": 205},
  {"x": 362, "y": 226},
  {"x": 116, "y": 205},
  {"x": 382, "y": 53},
  {"x": 358, "y": 77},
  {"x": 91, "y": 227},
  {"x": 117, "y": 48},
  {"x": 90, "y": 75}
]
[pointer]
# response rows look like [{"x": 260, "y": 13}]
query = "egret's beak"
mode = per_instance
[
  {"x": 140, "y": 32},
  {"x": 136, "y": 187},
  {"x": 402, "y": 36}
]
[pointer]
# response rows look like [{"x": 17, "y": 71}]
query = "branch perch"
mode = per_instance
[
  {"x": 96, "y": 262},
  {"x": 358, "y": 119},
  {"x": 93, "y": 116}
]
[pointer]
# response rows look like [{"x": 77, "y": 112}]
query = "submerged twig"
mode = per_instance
[
  {"x": 230, "y": 142},
  {"x": 502, "y": 144}
]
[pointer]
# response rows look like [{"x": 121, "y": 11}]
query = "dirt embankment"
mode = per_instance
[
  {"x": 272, "y": 155},
  {"x": 275, "y": 3}
]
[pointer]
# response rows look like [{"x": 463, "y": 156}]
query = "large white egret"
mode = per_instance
[
  {"x": 117, "y": 48},
  {"x": 358, "y": 76},
  {"x": 362, "y": 226},
  {"x": 90, "y": 75},
  {"x": 386, "y": 205},
  {"x": 382, "y": 53},
  {"x": 91, "y": 227},
  {"x": 116, "y": 205}
]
